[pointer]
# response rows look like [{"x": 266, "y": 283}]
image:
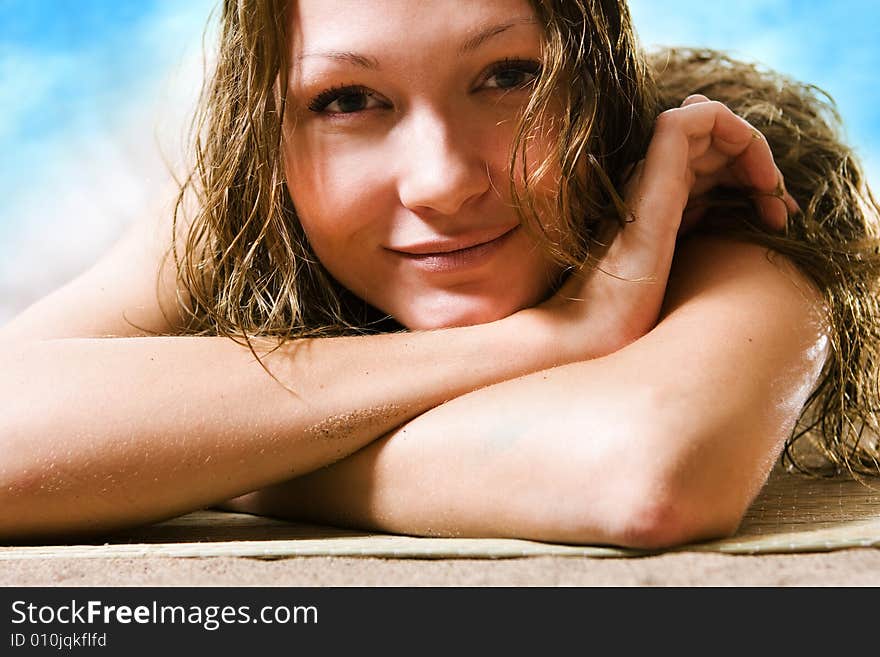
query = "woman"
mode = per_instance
[{"x": 442, "y": 244}]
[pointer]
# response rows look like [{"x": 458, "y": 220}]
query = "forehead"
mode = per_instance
[{"x": 376, "y": 24}]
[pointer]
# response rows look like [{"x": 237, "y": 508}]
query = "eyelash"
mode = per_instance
[
  {"x": 319, "y": 103},
  {"x": 529, "y": 66}
]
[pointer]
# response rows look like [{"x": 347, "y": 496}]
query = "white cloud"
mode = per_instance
[{"x": 85, "y": 185}]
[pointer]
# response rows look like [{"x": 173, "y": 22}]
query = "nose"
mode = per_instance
[{"x": 441, "y": 168}]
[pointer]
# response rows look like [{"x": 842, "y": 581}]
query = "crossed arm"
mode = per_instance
[
  {"x": 572, "y": 421},
  {"x": 665, "y": 441}
]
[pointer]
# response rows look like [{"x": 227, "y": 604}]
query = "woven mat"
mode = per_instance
[{"x": 792, "y": 514}]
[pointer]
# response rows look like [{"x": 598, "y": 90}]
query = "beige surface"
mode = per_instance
[
  {"x": 858, "y": 567},
  {"x": 806, "y": 532},
  {"x": 792, "y": 514}
]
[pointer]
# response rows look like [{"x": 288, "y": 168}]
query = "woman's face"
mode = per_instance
[{"x": 397, "y": 147}]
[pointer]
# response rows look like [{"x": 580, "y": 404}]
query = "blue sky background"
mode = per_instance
[{"x": 91, "y": 90}]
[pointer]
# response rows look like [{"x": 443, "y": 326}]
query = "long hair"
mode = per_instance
[
  {"x": 246, "y": 270},
  {"x": 834, "y": 242}
]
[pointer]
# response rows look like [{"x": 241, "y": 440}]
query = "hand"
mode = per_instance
[
  {"x": 731, "y": 162},
  {"x": 616, "y": 297}
]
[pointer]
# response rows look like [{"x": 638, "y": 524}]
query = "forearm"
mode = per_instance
[
  {"x": 100, "y": 433},
  {"x": 598, "y": 452},
  {"x": 574, "y": 454},
  {"x": 522, "y": 458},
  {"x": 665, "y": 441}
]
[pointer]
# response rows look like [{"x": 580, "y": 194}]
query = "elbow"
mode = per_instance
[
  {"x": 643, "y": 510},
  {"x": 665, "y": 516},
  {"x": 662, "y": 497},
  {"x": 673, "y": 484},
  {"x": 677, "y": 497}
]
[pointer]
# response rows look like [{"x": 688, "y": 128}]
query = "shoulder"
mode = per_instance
[
  {"x": 741, "y": 342},
  {"x": 738, "y": 350},
  {"x": 132, "y": 290},
  {"x": 737, "y": 277}
]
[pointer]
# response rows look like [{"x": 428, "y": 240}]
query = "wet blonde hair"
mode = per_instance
[
  {"x": 246, "y": 269},
  {"x": 834, "y": 241}
]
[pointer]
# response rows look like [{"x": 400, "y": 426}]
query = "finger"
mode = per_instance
[
  {"x": 757, "y": 167},
  {"x": 710, "y": 163},
  {"x": 721, "y": 178},
  {"x": 694, "y": 98},
  {"x": 667, "y": 171},
  {"x": 656, "y": 195},
  {"x": 748, "y": 155},
  {"x": 713, "y": 168},
  {"x": 733, "y": 137},
  {"x": 791, "y": 203}
]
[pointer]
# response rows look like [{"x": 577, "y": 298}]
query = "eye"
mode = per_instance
[
  {"x": 345, "y": 100},
  {"x": 512, "y": 74}
]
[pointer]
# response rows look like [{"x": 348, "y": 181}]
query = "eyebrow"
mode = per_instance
[
  {"x": 473, "y": 43},
  {"x": 362, "y": 61},
  {"x": 484, "y": 35}
]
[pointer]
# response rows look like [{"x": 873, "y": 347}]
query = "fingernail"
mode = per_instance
[
  {"x": 783, "y": 220},
  {"x": 694, "y": 98},
  {"x": 779, "y": 192}
]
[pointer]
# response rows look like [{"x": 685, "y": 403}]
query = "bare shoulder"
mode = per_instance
[
  {"x": 739, "y": 323},
  {"x": 742, "y": 338},
  {"x": 130, "y": 291},
  {"x": 741, "y": 342},
  {"x": 743, "y": 279}
]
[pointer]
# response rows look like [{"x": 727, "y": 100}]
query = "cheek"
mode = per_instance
[
  {"x": 543, "y": 173},
  {"x": 336, "y": 191},
  {"x": 342, "y": 203}
]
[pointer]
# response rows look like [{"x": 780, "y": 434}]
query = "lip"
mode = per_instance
[
  {"x": 444, "y": 246},
  {"x": 454, "y": 255}
]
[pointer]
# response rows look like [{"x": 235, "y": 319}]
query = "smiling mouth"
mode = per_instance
[
  {"x": 457, "y": 259},
  {"x": 440, "y": 249}
]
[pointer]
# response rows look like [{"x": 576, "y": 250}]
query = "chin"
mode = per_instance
[{"x": 453, "y": 315}]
